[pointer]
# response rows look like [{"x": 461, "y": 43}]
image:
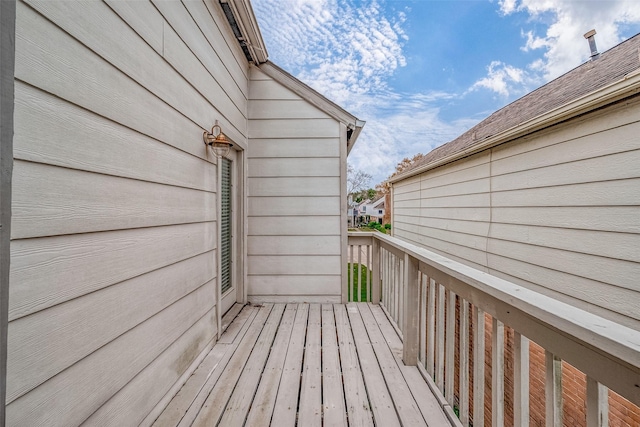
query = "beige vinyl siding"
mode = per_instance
[
  {"x": 113, "y": 272},
  {"x": 562, "y": 211},
  {"x": 294, "y": 243}
]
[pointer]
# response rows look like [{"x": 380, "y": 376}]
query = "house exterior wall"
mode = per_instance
[
  {"x": 112, "y": 281},
  {"x": 555, "y": 211},
  {"x": 294, "y": 191}
]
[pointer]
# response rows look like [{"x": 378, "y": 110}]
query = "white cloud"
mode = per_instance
[
  {"x": 334, "y": 46},
  {"x": 399, "y": 126},
  {"x": 563, "y": 41},
  {"x": 503, "y": 79}
]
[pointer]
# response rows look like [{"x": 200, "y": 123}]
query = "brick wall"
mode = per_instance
[{"x": 622, "y": 413}]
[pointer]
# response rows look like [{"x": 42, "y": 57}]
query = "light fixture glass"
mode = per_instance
[{"x": 217, "y": 141}]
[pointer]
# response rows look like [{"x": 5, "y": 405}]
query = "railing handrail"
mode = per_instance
[{"x": 605, "y": 350}]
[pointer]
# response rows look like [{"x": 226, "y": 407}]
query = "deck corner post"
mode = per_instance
[
  {"x": 375, "y": 271},
  {"x": 412, "y": 307}
]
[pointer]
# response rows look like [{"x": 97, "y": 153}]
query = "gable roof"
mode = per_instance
[{"x": 614, "y": 75}]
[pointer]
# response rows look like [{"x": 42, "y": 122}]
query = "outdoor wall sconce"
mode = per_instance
[{"x": 217, "y": 140}]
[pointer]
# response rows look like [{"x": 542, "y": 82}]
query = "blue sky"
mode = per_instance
[{"x": 422, "y": 72}]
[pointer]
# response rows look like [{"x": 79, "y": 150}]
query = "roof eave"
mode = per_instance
[
  {"x": 623, "y": 88},
  {"x": 315, "y": 98},
  {"x": 246, "y": 19}
]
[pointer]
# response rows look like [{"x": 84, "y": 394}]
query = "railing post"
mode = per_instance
[
  {"x": 497, "y": 374},
  {"x": 597, "y": 404},
  {"x": 375, "y": 271},
  {"x": 411, "y": 307},
  {"x": 553, "y": 390},
  {"x": 521, "y": 380}
]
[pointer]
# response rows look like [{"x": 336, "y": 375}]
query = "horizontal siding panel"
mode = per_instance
[
  {"x": 270, "y": 90},
  {"x": 136, "y": 60},
  {"x": 294, "y": 265},
  {"x": 143, "y": 18},
  {"x": 295, "y": 285},
  {"x": 45, "y": 271},
  {"x": 461, "y": 188},
  {"x": 623, "y": 114},
  {"x": 294, "y": 226},
  {"x": 218, "y": 33},
  {"x": 622, "y": 246},
  {"x": 229, "y": 102},
  {"x": 463, "y": 173},
  {"x": 407, "y": 203},
  {"x": 409, "y": 185},
  {"x": 462, "y": 170},
  {"x": 296, "y": 148},
  {"x": 49, "y": 200},
  {"x": 623, "y": 192},
  {"x": 613, "y": 167},
  {"x": 590, "y": 295},
  {"x": 410, "y": 195},
  {"x": 182, "y": 22},
  {"x": 297, "y": 128},
  {"x": 43, "y": 57},
  {"x": 134, "y": 401},
  {"x": 294, "y": 245},
  {"x": 73, "y": 395},
  {"x": 66, "y": 135},
  {"x": 479, "y": 200},
  {"x": 291, "y": 109},
  {"x": 462, "y": 239},
  {"x": 467, "y": 227},
  {"x": 301, "y": 186},
  {"x": 474, "y": 257},
  {"x": 408, "y": 212},
  {"x": 293, "y": 206},
  {"x": 606, "y": 270},
  {"x": 604, "y": 218},
  {"x": 464, "y": 214},
  {"x": 47, "y": 342},
  {"x": 300, "y": 167},
  {"x": 256, "y": 73}
]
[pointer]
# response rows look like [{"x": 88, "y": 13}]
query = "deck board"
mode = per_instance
[{"x": 306, "y": 365}]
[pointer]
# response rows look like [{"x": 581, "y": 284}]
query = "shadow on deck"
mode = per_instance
[{"x": 306, "y": 365}]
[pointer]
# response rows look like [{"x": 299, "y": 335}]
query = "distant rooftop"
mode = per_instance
[{"x": 594, "y": 74}]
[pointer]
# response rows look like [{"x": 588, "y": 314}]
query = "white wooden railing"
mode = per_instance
[{"x": 421, "y": 290}]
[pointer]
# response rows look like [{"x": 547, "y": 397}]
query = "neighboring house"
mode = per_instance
[
  {"x": 376, "y": 210},
  {"x": 116, "y": 273},
  {"x": 545, "y": 192}
]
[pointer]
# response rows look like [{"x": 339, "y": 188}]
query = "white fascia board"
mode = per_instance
[
  {"x": 316, "y": 99},
  {"x": 623, "y": 88},
  {"x": 246, "y": 20}
]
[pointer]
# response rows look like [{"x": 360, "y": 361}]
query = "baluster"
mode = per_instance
[
  {"x": 375, "y": 272},
  {"x": 409, "y": 312},
  {"x": 422, "y": 330},
  {"x": 359, "y": 297},
  {"x": 440, "y": 343},
  {"x": 597, "y": 404},
  {"x": 451, "y": 345},
  {"x": 521, "y": 380},
  {"x": 497, "y": 374},
  {"x": 431, "y": 323},
  {"x": 369, "y": 281},
  {"x": 351, "y": 274},
  {"x": 553, "y": 390},
  {"x": 464, "y": 362},
  {"x": 478, "y": 367}
]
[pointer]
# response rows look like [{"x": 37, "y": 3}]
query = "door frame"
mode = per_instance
[{"x": 238, "y": 236}]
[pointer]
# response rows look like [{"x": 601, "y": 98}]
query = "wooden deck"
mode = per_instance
[{"x": 305, "y": 365}]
